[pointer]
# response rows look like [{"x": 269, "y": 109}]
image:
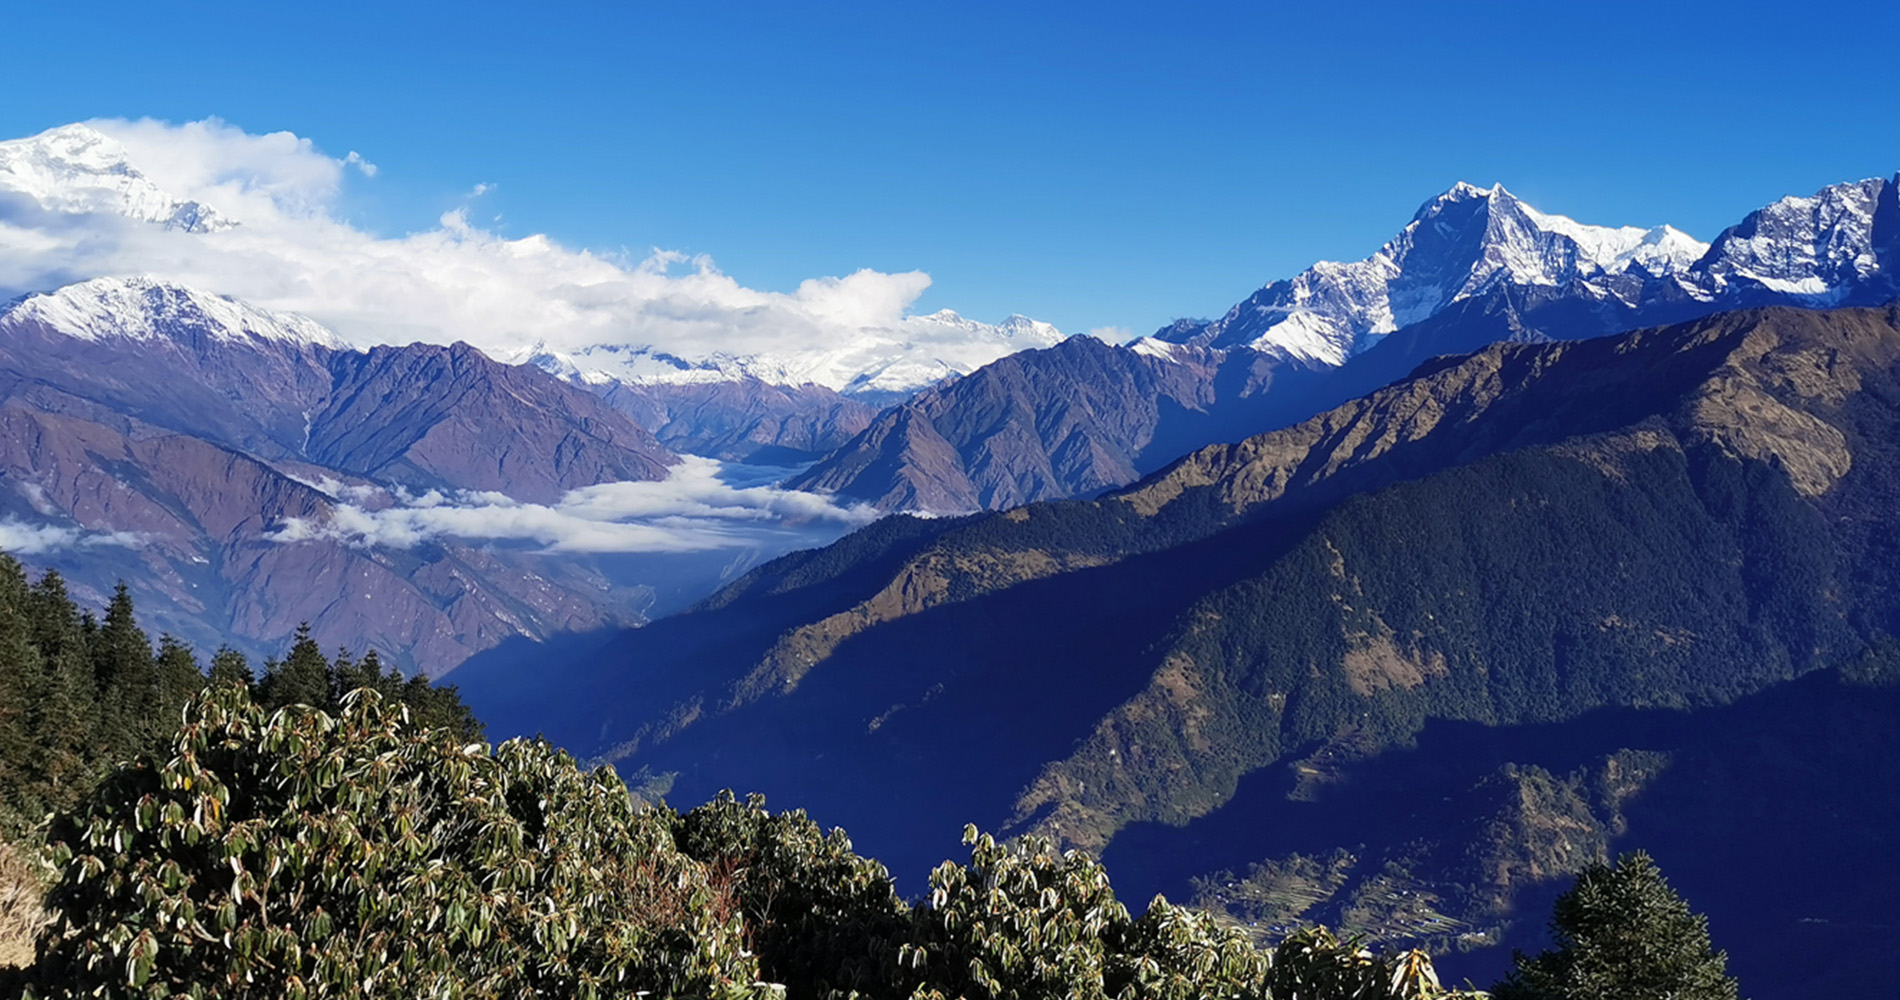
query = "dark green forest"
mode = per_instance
[{"x": 81, "y": 691}]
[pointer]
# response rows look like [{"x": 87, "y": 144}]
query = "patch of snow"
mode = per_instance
[
  {"x": 1154, "y": 347},
  {"x": 75, "y": 169},
  {"x": 879, "y": 361},
  {"x": 141, "y": 308},
  {"x": 1461, "y": 244}
]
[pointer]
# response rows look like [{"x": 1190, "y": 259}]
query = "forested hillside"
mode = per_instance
[
  {"x": 1668, "y": 521},
  {"x": 328, "y": 830}
]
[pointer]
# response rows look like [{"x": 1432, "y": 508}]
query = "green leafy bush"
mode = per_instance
[
  {"x": 821, "y": 918},
  {"x": 297, "y": 854},
  {"x": 1022, "y": 919}
]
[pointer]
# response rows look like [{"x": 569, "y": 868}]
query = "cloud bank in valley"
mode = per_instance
[
  {"x": 703, "y": 505},
  {"x": 457, "y": 281},
  {"x": 20, "y": 538}
]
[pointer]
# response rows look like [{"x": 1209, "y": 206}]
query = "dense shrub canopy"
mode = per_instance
[
  {"x": 1025, "y": 920},
  {"x": 822, "y": 919},
  {"x": 298, "y": 854}
]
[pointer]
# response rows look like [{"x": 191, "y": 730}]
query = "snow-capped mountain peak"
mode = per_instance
[
  {"x": 878, "y": 365},
  {"x": 1028, "y": 332},
  {"x": 76, "y": 169},
  {"x": 1817, "y": 248},
  {"x": 142, "y": 309},
  {"x": 1460, "y": 244}
]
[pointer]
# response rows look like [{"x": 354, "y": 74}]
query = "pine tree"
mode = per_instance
[
  {"x": 440, "y": 707},
  {"x": 179, "y": 678},
  {"x": 127, "y": 678},
  {"x": 387, "y": 680},
  {"x": 1623, "y": 934},
  {"x": 55, "y": 619},
  {"x": 63, "y": 709},
  {"x": 228, "y": 666},
  {"x": 20, "y": 671},
  {"x": 303, "y": 678},
  {"x": 350, "y": 675}
]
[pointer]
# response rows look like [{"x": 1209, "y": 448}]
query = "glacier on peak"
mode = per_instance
[
  {"x": 1816, "y": 247},
  {"x": 1837, "y": 246},
  {"x": 76, "y": 169},
  {"x": 144, "y": 309},
  {"x": 1458, "y": 245},
  {"x": 878, "y": 364}
]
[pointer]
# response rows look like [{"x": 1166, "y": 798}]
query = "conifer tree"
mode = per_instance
[
  {"x": 179, "y": 678},
  {"x": 20, "y": 671},
  {"x": 350, "y": 675},
  {"x": 439, "y": 706},
  {"x": 1623, "y": 934},
  {"x": 127, "y": 679},
  {"x": 228, "y": 666},
  {"x": 56, "y": 622},
  {"x": 63, "y": 707},
  {"x": 303, "y": 678},
  {"x": 386, "y": 680}
]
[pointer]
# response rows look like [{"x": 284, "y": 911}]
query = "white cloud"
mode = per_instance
[
  {"x": 460, "y": 281},
  {"x": 361, "y": 494},
  {"x": 701, "y": 506},
  {"x": 20, "y": 538},
  {"x": 1113, "y": 334},
  {"x": 255, "y": 179}
]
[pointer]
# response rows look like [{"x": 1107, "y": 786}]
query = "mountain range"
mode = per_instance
[
  {"x": 1664, "y": 523},
  {"x": 80, "y": 172},
  {"x": 1534, "y": 539},
  {"x": 1474, "y": 266},
  {"x": 1058, "y": 417},
  {"x": 168, "y": 433}
]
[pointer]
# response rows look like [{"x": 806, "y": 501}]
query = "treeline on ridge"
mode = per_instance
[{"x": 80, "y": 692}]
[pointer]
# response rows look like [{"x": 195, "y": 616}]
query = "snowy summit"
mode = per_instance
[
  {"x": 1459, "y": 245},
  {"x": 76, "y": 169},
  {"x": 147, "y": 309},
  {"x": 876, "y": 364}
]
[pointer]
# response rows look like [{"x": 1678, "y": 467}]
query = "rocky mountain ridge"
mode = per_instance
[
  {"x": 1666, "y": 521},
  {"x": 167, "y": 435},
  {"x": 1473, "y": 267},
  {"x": 1070, "y": 420},
  {"x": 1823, "y": 250},
  {"x": 1458, "y": 246}
]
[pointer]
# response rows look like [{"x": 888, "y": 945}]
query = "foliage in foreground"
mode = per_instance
[
  {"x": 332, "y": 830},
  {"x": 297, "y": 853},
  {"x": 80, "y": 693}
]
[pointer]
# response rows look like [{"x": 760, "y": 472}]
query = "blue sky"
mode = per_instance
[{"x": 1093, "y": 165}]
